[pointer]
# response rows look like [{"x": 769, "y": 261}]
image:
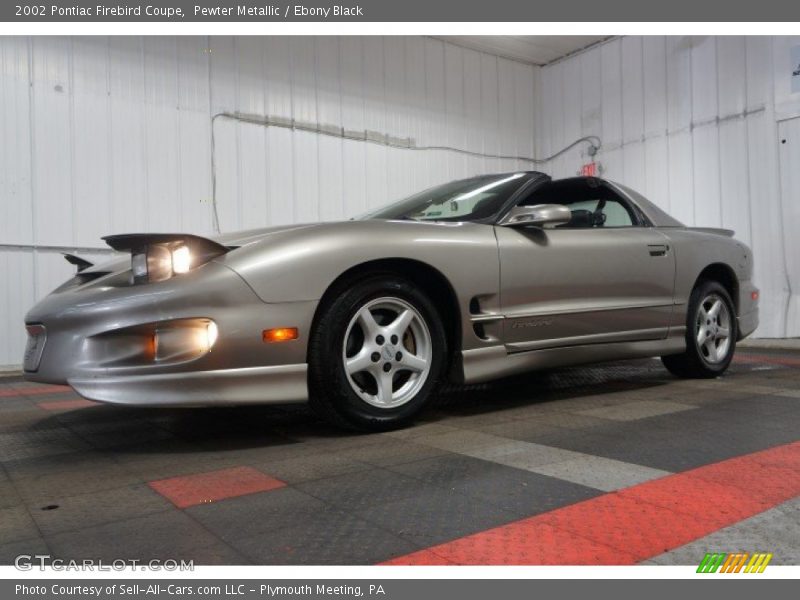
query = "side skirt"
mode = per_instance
[{"x": 485, "y": 364}]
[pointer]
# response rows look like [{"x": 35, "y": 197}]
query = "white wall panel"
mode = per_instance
[
  {"x": 51, "y": 141},
  {"x": 90, "y": 139},
  {"x": 194, "y": 134},
  {"x": 681, "y": 177},
  {"x": 789, "y": 150},
  {"x": 654, "y": 84},
  {"x": 114, "y": 134},
  {"x": 16, "y": 205},
  {"x": 679, "y": 82},
  {"x": 126, "y": 135},
  {"x": 161, "y": 134},
  {"x": 706, "y": 175},
  {"x": 632, "y": 89},
  {"x": 787, "y": 103},
  {"x": 705, "y": 102},
  {"x": 692, "y": 122},
  {"x": 611, "y": 91},
  {"x": 490, "y": 109},
  {"x": 734, "y": 179},
  {"x": 591, "y": 98}
]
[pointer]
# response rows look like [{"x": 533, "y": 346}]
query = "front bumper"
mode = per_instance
[
  {"x": 252, "y": 385},
  {"x": 95, "y": 338}
]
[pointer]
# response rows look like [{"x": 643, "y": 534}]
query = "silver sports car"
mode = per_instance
[{"x": 465, "y": 282}]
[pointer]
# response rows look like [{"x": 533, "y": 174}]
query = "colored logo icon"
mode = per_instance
[{"x": 737, "y": 562}]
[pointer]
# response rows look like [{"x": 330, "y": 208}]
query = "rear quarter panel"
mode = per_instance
[{"x": 696, "y": 250}]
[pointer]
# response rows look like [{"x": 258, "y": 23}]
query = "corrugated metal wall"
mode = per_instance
[
  {"x": 692, "y": 123},
  {"x": 106, "y": 135}
]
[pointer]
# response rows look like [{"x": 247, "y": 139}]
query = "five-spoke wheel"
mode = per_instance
[
  {"x": 376, "y": 353},
  {"x": 387, "y": 352},
  {"x": 710, "y": 334},
  {"x": 713, "y": 328}
]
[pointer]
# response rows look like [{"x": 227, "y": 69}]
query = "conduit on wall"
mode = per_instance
[{"x": 366, "y": 136}]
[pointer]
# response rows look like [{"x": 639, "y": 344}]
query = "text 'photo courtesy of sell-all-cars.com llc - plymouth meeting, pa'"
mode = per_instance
[{"x": 466, "y": 282}]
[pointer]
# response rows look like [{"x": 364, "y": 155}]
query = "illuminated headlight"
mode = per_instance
[
  {"x": 159, "y": 262},
  {"x": 160, "y": 256}
]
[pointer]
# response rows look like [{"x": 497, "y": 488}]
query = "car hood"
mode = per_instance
[
  {"x": 248, "y": 236},
  {"x": 251, "y": 236},
  {"x": 268, "y": 235}
]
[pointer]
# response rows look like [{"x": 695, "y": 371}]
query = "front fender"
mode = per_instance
[{"x": 301, "y": 264}]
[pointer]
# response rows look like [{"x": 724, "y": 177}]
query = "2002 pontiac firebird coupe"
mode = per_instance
[{"x": 468, "y": 281}]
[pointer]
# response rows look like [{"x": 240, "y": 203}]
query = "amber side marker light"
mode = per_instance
[{"x": 281, "y": 334}]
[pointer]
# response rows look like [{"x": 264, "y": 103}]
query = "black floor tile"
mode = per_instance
[
  {"x": 330, "y": 538},
  {"x": 514, "y": 491},
  {"x": 11, "y": 551},
  {"x": 167, "y": 535},
  {"x": 356, "y": 491},
  {"x": 437, "y": 515},
  {"x": 255, "y": 514}
]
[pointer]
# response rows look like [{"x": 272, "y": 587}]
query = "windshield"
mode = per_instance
[{"x": 470, "y": 199}]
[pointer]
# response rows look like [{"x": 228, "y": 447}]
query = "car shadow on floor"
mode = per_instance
[{"x": 142, "y": 430}]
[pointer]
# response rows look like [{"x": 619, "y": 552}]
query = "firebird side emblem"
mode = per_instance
[{"x": 532, "y": 323}]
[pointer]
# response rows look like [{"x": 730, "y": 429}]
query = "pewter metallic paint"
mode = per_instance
[{"x": 548, "y": 297}]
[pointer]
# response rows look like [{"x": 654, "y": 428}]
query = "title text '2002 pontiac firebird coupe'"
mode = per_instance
[{"x": 468, "y": 281}]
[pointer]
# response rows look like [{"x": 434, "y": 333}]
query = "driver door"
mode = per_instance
[{"x": 601, "y": 278}]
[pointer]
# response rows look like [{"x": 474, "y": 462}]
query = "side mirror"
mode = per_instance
[{"x": 539, "y": 215}]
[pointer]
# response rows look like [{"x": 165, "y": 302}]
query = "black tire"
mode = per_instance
[
  {"x": 696, "y": 362},
  {"x": 331, "y": 394}
]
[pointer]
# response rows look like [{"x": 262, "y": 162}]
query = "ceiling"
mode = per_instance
[{"x": 534, "y": 49}]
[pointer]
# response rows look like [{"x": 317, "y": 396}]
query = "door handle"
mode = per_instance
[{"x": 658, "y": 249}]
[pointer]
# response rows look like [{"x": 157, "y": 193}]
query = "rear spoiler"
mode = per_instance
[{"x": 714, "y": 230}]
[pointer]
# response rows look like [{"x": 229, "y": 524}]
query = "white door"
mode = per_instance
[{"x": 789, "y": 150}]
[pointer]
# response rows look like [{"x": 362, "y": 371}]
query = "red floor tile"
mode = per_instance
[
  {"x": 35, "y": 391},
  {"x": 638, "y": 529},
  {"x": 423, "y": 558},
  {"x": 529, "y": 542},
  {"x": 202, "y": 488},
  {"x": 638, "y": 522},
  {"x": 66, "y": 404},
  {"x": 716, "y": 502},
  {"x": 785, "y": 361}
]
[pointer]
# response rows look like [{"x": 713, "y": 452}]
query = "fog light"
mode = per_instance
[
  {"x": 281, "y": 334},
  {"x": 185, "y": 341},
  {"x": 211, "y": 334}
]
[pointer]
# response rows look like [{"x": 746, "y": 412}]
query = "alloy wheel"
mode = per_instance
[
  {"x": 713, "y": 329},
  {"x": 387, "y": 352}
]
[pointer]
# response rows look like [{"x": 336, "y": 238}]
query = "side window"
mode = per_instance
[
  {"x": 617, "y": 215},
  {"x": 600, "y": 212},
  {"x": 591, "y": 205}
]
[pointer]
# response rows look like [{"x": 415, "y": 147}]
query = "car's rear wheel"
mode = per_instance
[
  {"x": 376, "y": 354},
  {"x": 710, "y": 334}
]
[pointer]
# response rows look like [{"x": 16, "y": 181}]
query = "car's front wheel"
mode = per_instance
[
  {"x": 710, "y": 334},
  {"x": 376, "y": 354}
]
